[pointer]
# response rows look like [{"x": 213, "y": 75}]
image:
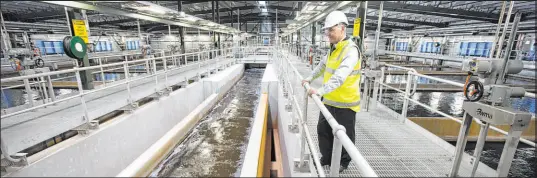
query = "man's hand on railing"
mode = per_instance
[
  {"x": 313, "y": 91},
  {"x": 305, "y": 81}
]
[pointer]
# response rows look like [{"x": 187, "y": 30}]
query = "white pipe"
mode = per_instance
[{"x": 474, "y": 27}]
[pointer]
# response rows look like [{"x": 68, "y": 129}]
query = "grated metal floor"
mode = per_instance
[{"x": 391, "y": 148}]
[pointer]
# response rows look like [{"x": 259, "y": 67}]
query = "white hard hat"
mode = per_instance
[{"x": 334, "y": 18}]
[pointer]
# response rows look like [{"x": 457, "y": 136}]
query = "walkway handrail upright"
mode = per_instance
[{"x": 341, "y": 138}]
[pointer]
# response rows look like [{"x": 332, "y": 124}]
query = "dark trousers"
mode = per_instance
[{"x": 347, "y": 118}]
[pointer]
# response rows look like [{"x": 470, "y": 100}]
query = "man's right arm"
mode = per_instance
[{"x": 318, "y": 71}]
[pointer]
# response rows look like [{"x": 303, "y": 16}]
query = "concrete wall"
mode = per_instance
[
  {"x": 108, "y": 150},
  {"x": 269, "y": 85}
]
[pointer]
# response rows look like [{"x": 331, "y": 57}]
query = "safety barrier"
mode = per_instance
[
  {"x": 289, "y": 75},
  {"x": 413, "y": 77},
  {"x": 152, "y": 76}
]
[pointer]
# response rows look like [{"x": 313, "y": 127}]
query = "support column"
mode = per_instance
[
  {"x": 75, "y": 15},
  {"x": 231, "y": 15},
  {"x": 313, "y": 30},
  {"x": 218, "y": 45},
  {"x": 181, "y": 29},
  {"x": 298, "y": 51},
  {"x": 213, "y": 41},
  {"x": 139, "y": 31},
  {"x": 362, "y": 15},
  {"x": 169, "y": 30},
  {"x": 377, "y": 33}
]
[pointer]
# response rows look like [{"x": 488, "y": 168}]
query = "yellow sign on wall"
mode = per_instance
[
  {"x": 79, "y": 28},
  {"x": 356, "y": 29}
]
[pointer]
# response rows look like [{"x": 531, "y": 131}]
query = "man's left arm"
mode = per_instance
[{"x": 342, "y": 72}]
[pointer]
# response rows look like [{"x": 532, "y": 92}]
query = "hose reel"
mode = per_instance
[{"x": 75, "y": 47}]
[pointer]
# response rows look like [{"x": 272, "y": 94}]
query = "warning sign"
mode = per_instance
[
  {"x": 79, "y": 29},
  {"x": 356, "y": 29}
]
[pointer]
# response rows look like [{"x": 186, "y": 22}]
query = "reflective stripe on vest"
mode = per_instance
[
  {"x": 332, "y": 71},
  {"x": 340, "y": 104}
]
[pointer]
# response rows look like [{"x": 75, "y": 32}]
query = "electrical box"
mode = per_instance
[{"x": 526, "y": 45}]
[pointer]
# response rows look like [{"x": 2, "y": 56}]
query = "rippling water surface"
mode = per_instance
[{"x": 215, "y": 147}]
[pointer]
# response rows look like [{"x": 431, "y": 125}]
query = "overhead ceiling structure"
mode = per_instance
[
  {"x": 153, "y": 16},
  {"x": 412, "y": 15}
]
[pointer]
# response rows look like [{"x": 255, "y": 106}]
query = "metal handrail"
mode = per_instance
[
  {"x": 76, "y": 69},
  {"x": 413, "y": 72},
  {"x": 341, "y": 138},
  {"x": 224, "y": 53}
]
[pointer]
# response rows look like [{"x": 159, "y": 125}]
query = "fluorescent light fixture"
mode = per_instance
[{"x": 262, "y": 3}]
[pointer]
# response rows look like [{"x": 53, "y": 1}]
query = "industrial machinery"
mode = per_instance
[
  {"x": 488, "y": 102},
  {"x": 146, "y": 50},
  {"x": 24, "y": 58}
]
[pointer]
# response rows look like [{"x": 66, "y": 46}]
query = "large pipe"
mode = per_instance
[
  {"x": 48, "y": 25},
  {"x": 529, "y": 24}
]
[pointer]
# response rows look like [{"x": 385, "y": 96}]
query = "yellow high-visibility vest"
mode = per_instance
[{"x": 348, "y": 94}]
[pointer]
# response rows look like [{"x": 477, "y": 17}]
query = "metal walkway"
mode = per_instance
[{"x": 391, "y": 147}]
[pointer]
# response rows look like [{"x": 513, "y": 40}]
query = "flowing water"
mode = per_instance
[{"x": 215, "y": 147}]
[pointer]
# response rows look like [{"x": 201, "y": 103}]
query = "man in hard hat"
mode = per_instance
[{"x": 341, "y": 85}]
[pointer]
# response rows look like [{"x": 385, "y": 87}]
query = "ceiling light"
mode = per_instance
[{"x": 263, "y": 3}]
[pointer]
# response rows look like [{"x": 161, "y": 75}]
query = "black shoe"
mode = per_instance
[
  {"x": 324, "y": 162},
  {"x": 342, "y": 168}
]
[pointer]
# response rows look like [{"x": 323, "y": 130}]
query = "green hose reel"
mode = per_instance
[{"x": 74, "y": 47}]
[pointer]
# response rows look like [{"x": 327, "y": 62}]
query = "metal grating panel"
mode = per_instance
[{"x": 390, "y": 147}]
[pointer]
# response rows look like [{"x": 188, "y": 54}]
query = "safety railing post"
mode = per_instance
[
  {"x": 154, "y": 61},
  {"x": 147, "y": 67},
  {"x": 45, "y": 93},
  {"x": 406, "y": 95},
  {"x": 164, "y": 61},
  {"x": 126, "y": 72},
  {"x": 382, "y": 78},
  {"x": 302, "y": 134},
  {"x": 102, "y": 72},
  {"x": 29, "y": 94},
  {"x": 51, "y": 90},
  {"x": 336, "y": 157},
  {"x": 81, "y": 94}
]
